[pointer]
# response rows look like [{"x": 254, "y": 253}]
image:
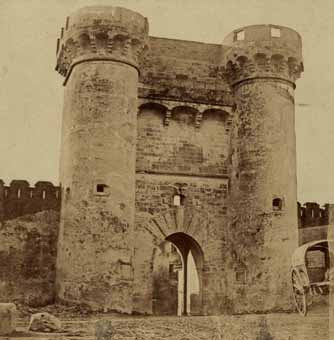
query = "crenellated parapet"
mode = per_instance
[
  {"x": 101, "y": 33},
  {"x": 263, "y": 51},
  {"x": 311, "y": 214},
  {"x": 19, "y": 198}
]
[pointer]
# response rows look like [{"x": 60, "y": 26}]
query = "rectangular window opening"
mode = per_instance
[
  {"x": 275, "y": 32},
  {"x": 102, "y": 189},
  {"x": 240, "y": 35},
  {"x": 277, "y": 204}
]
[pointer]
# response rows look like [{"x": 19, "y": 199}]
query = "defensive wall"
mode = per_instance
[
  {"x": 30, "y": 223},
  {"x": 19, "y": 198},
  {"x": 314, "y": 221},
  {"x": 29, "y": 226}
]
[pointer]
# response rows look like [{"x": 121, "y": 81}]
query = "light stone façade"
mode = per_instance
[{"x": 182, "y": 141}]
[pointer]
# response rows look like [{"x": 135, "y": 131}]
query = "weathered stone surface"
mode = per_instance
[
  {"x": 44, "y": 322},
  {"x": 98, "y": 158},
  {"x": 19, "y": 198},
  {"x": 200, "y": 218},
  {"x": 28, "y": 251},
  {"x": 7, "y": 318},
  {"x": 195, "y": 79},
  {"x": 263, "y": 214},
  {"x": 103, "y": 329}
]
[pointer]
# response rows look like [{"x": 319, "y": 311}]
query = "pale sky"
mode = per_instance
[{"x": 31, "y": 92}]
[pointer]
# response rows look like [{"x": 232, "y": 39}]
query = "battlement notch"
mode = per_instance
[{"x": 311, "y": 214}]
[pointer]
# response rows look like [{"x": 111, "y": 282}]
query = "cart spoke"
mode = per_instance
[{"x": 299, "y": 294}]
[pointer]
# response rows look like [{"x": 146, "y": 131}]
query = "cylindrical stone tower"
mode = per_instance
[
  {"x": 262, "y": 64},
  {"x": 98, "y": 55}
]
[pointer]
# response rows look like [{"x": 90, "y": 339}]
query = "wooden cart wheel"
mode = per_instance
[{"x": 299, "y": 294}]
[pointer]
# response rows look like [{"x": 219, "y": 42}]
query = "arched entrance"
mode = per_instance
[{"x": 177, "y": 276}]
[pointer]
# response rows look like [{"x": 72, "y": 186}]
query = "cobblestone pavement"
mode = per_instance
[{"x": 255, "y": 327}]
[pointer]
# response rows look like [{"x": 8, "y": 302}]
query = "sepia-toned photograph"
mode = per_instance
[{"x": 166, "y": 170}]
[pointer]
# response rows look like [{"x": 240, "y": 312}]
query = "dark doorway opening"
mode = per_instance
[{"x": 177, "y": 276}]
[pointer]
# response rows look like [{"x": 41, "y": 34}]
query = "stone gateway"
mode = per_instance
[{"x": 178, "y": 168}]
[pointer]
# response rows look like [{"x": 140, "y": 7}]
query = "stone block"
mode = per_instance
[
  {"x": 7, "y": 318},
  {"x": 44, "y": 322}
]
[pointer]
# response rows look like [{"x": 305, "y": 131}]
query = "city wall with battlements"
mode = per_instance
[
  {"x": 314, "y": 221},
  {"x": 29, "y": 225},
  {"x": 19, "y": 198}
]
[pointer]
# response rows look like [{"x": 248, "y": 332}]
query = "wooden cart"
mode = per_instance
[{"x": 311, "y": 272}]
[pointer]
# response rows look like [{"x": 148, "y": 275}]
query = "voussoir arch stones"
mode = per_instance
[{"x": 192, "y": 222}]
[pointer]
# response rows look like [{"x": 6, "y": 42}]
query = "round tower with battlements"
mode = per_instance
[
  {"x": 261, "y": 64},
  {"x": 97, "y": 54}
]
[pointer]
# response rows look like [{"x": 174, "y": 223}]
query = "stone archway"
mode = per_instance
[
  {"x": 177, "y": 276},
  {"x": 187, "y": 231},
  {"x": 188, "y": 246}
]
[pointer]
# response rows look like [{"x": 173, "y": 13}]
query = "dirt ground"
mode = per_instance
[{"x": 80, "y": 325}]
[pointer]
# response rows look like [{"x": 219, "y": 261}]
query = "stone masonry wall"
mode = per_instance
[
  {"x": 180, "y": 147},
  {"x": 98, "y": 55},
  {"x": 99, "y": 137},
  {"x": 194, "y": 160},
  {"x": 27, "y": 258},
  {"x": 264, "y": 235},
  {"x": 183, "y": 70},
  {"x": 19, "y": 198},
  {"x": 202, "y": 217},
  {"x": 314, "y": 222},
  {"x": 312, "y": 233}
]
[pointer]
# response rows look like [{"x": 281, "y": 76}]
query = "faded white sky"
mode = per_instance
[{"x": 31, "y": 91}]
